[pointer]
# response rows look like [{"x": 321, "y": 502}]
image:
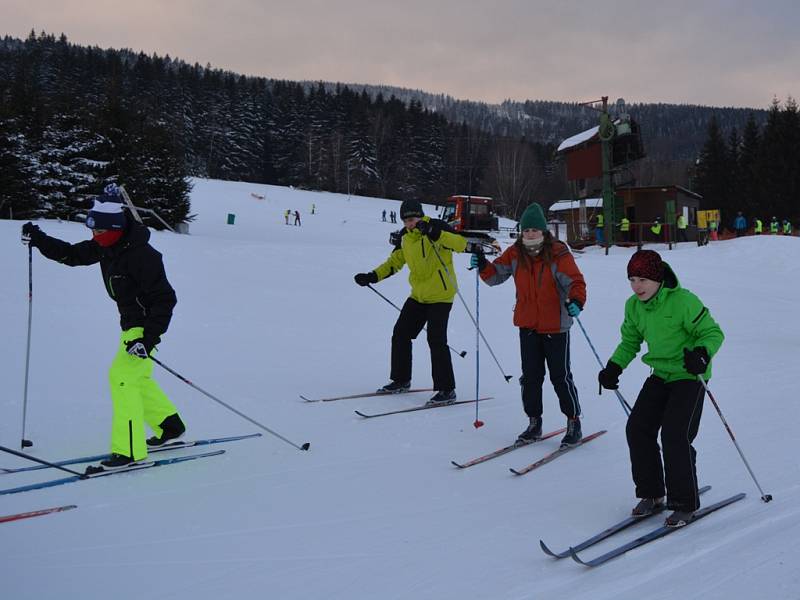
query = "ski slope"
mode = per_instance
[{"x": 268, "y": 311}]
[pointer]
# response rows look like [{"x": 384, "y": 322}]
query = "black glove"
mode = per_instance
[
  {"x": 430, "y": 228},
  {"x": 363, "y": 279},
  {"x": 141, "y": 347},
  {"x": 609, "y": 377},
  {"x": 696, "y": 361},
  {"x": 29, "y": 234}
]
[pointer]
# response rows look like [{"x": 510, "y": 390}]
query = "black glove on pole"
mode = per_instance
[
  {"x": 609, "y": 376},
  {"x": 696, "y": 361}
]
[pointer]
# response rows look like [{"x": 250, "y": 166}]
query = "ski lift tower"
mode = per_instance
[{"x": 594, "y": 155}]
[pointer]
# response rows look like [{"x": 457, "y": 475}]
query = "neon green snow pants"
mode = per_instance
[{"x": 137, "y": 399}]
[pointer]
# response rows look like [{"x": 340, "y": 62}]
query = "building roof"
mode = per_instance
[
  {"x": 579, "y": 138},
  {"x": 563, "y": 205}
]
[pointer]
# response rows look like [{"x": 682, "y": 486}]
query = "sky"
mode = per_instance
[{"x": 713, "y": 52}]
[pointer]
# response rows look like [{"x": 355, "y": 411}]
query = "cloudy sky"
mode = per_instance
[{"x": 714, "y": 52}]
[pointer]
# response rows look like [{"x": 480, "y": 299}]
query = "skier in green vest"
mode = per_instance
[
  {"x": 625, "y": 229},
  {"x": 681, "y": 223},
  {"x": 655, "y": 228},
  {"x": 598, "y": 229}
]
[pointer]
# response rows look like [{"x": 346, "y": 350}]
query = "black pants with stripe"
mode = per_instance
[
  {"x": 536, "y": 349},
  {"x": 674, "y": 408},
  {"x": 413, "y": 317}
]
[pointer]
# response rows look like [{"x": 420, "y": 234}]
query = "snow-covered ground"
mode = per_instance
[{"x": 375, "y": 510}]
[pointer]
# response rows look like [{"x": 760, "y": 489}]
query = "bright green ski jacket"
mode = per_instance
[
  {"x": 429, "y": 281},
  {"x": 670, "y": 321}
]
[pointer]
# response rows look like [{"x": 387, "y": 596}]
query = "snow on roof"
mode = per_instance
[
  {"x": 563, "y": 205},
  {"x": 578, "y": 138}
]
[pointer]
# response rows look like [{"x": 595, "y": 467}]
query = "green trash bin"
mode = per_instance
[{"x": 231, "y": 218}]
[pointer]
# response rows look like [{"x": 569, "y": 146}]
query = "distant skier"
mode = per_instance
[
  {"x": 286, "y": 215},
  {"x": 134, "y": 277},
  {"x": 432, "y": 292},
  {"x": 313, "y": 209},
  {"x": 297, "y": 218},
  {"x": 681, "y": 338},
  {"x": 740, "y": 224},
  {"x": 383, "y": 216},
  {"x": 550, "y": 292}
]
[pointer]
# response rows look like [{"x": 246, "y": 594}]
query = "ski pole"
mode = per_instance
[
  {"x": 764, "y": 497},
  {"x": 23, "y": 442},
  {"x": 474, "y": 322},
  {"x": 305, "y": 446},
  {"x": 462, "y": 354},
  {"x": 43, "y": 462},
  {"x": 478, "y": 423},
  {"x": 625, "y": 406}
]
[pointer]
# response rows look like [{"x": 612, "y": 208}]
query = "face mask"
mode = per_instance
[
  {"x": 107, "y": 238},
  {"x": 533, "y": 246}
]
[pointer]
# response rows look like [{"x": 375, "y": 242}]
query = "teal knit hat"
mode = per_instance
[{"x": 533, "y": 218}]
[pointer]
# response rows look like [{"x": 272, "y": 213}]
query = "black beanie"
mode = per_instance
[{"x": 411, "y": 208}]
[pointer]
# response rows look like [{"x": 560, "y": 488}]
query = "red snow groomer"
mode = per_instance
[{"x": 473, "y": 217}]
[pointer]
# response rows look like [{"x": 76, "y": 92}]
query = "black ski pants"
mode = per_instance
[
  {"x": 674, "y": 408},
  {"x": 413, "y": 317},
  {"x": 536, "y": 349}
]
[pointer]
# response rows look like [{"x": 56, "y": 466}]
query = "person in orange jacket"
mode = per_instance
[{"x": 550, "y": 292}]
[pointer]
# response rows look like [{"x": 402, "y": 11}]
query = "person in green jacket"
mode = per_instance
[
  {"x": 681, "y": 338},
  {"x": 426, "y": 246}
]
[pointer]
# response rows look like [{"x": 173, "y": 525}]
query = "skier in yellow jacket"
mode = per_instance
[{"x": 426, "y": 246}]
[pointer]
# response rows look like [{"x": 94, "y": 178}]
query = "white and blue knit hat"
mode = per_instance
[{"x": 108, "y": 211}]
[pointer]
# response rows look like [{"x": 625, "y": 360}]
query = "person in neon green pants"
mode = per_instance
[
  {"x": 137, "y": 399},
  {"x": 134, "y": 277}
]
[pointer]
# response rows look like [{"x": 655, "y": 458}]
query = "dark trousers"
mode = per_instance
[
  {"x": 682, "y": 235},
  {"x": 674, "y": 408},
  {"x": 413, "y": 317},
  {"x": 536, "y": 349}
]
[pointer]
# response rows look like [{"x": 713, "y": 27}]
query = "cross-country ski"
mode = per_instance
[
  {"x": 555, "y": 454},
  {"x": 653, "y": 535},
  {"x": 367, "y": 395},
  {"x": 133, "y": 468},
  {"x": 36, "y": 513},
  {"x": 176, "y": 445},
  {"x": 608, "y": 532},
  {"x": 505, "y": 450},
  {"x": 416, "y": 408}
]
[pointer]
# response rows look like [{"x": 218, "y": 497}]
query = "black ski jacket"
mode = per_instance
[{"x": 133, "y": 274}]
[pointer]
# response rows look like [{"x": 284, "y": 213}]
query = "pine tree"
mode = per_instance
[
  {"x": 17, "y": 200},
  {"x": 748, "y": 184},
  {"x": 712, "y": 174}
]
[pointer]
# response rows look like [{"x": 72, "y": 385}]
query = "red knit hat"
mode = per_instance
[{"x": 647, "y": 264}]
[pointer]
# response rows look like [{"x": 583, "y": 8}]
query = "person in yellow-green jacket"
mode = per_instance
[
  {"x": 423, "y": 244},
  {"x": 681, "y": 338},
  {"x": 134, "y": 277}
]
